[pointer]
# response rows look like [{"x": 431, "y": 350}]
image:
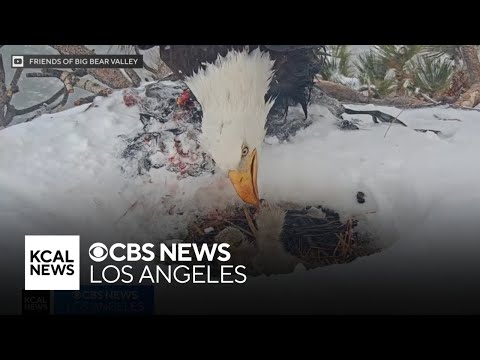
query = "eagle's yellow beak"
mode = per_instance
[{"x": 244, "y": 179}]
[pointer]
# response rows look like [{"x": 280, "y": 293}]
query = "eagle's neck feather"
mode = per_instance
[{"x": 232, "y": 93}]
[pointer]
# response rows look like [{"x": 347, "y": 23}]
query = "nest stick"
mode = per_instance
[
  {"x": 239, "y": 228},
  {"x": 250, "y": 222}
]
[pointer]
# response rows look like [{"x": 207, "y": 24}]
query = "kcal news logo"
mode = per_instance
[{"x": 52, "y": 262}]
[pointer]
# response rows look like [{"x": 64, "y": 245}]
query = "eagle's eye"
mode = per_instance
[{"x": 245, "y": 151}]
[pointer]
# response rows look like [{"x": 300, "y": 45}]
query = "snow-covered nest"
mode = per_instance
[{"x": 312, "y": 235}]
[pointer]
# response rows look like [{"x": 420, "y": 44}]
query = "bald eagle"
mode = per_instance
[
  {"x": 237, "y": 87},
  {"x": 295, "y": 67},
  {"x": 231, "y": 92},
  {"x": 235, "y": 94}
]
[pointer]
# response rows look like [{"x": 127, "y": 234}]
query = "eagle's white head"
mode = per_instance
[{"x": 232, "y": 93}]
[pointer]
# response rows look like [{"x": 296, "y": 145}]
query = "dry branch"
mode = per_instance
[
  {"x": 70, "y": 81},
  {"x": 347, "y": 95},
  {"x": 471, "y": 97},
  {"x": 133, "y": 77},
  {"x": 429, "y": 99},
  {"x": 85, "y": 100},
  {"x": 9, "y": 114},
  {"x": 16, "y": 77},
  {"x": 7, "y": 111},
  {"x": 470, "y": 56},
  {"x": 2, "y": 75},
  {"x": 64, "y": 99},
  {"x": 3, "y": 95},
  {"x": 40, "y": 105},
  {"x": 113, "y": 78},
  {"x": 92, "y": 87}
]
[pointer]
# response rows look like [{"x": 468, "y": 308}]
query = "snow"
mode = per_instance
[{"x": 62, "y": 173}]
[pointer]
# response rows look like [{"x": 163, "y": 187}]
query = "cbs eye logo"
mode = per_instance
[{"x": 98, "y": 252}]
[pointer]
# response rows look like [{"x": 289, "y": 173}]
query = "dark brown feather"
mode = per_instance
[{"x": 295, "y": 67}]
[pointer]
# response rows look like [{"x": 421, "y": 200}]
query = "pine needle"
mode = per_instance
[
  {"x": 250, "y": 221},
  {"x": 239, "y": 228},
  {"x": 126, "y": 212}
]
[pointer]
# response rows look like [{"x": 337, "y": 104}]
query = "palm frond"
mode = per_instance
[
  {"x": 372, "y": 70},
  {"x": 436, "y": 51},
  {"x": 397, "y": 56},
  {"x": 432, "y": 75},
  {"x": 337, "y": 63},
  {"x": 344, "y": 58},
  {"x": 370, "y": 67}
]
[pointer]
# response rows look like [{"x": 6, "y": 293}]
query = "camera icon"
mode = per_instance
[{"x": 17, "y": 61}]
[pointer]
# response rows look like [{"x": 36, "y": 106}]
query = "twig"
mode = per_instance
[
  {"x": 64, "y": 100},
  {"x": 85, "y": 100},
  {"x": 445, "y": 119},
  {"x": 126, "y": 212},
  {"x": 198, "y": 230},
  {"x": 392, "y": 123},
  {"x": 70, "y": 80},
  {"x": 92, "y": 87},
  {"x": 9, "y": 114},
  {"x": 67, "y": 80},
  {"x": 134, "y": 78},
  {"x": 468, "y": 108},
  {"x": 428, "y": 98},
  {"x": 2, "y": 74},
  {"x": 3, "y": 96},
  {"x": 349, "y": 234},
  {"x": 250, "y": 221},
  {"x": 345, "y": 241},
  {"x": 426, "y": 130},
  {"x": 113, "y": 78},
  {"x": 7, "y": 111},
  {"x": 239, "y": 228},
  {"x": 35, "y": 75},
  {"x": 38, "y": 106},
  {"x": 79, "y": 72},
  {"x": 16, "y": 77}
]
